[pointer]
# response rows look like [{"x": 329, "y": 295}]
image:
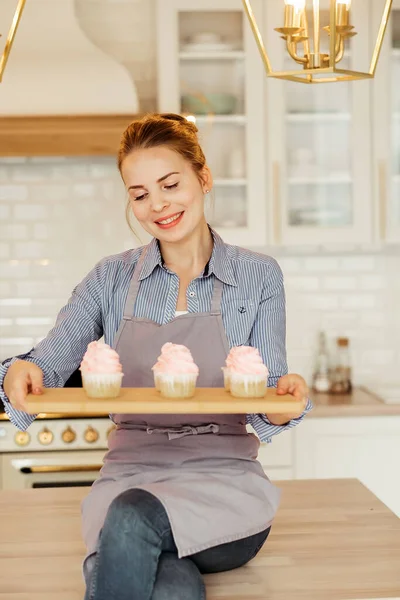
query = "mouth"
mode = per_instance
[{"x": 170, "y": 221}]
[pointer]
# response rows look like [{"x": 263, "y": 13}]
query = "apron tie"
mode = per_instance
[{"x": 175, "y": 433}]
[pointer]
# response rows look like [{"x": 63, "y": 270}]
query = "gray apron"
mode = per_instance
[{"x": 202, "y": 468}]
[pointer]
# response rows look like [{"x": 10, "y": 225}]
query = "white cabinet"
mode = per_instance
[
  {"x": 209, "y": 68},
  {"x": 366, "y": 448},
  {"x": 319, "y": 143},
  {"x": 386, "y": 121}
]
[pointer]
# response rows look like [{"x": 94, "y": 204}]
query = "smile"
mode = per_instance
[{"x": 171, "y": 220}]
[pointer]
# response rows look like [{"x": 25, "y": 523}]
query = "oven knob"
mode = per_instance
[
  {"x": 22, "y": 438},
  {"x": 91, "y": 435},
  {"x": 68, "y": 435},
  {"x": 110, "y": 429},
  {"x": 45, "y": 436}
]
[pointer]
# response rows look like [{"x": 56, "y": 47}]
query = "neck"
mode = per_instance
[{"x": 191, "y": 254}]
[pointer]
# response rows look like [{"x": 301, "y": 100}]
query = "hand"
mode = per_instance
[
  {"x": 22, "y": 378},
  {"x": 296, "y": 386}
]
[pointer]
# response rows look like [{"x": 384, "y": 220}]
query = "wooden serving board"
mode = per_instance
[{"x": 149, "y": 401}]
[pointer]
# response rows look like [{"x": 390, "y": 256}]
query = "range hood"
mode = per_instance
[{"x": 54, "y": 69}]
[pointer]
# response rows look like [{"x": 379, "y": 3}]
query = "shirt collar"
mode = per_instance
[{"x": 220, "y": 264}]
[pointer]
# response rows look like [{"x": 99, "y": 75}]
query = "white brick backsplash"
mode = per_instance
[
  {"x": 290, "y": 265},
  {"x": 33, "y": 321},
  {"x": 5, "y": 322},
  {"x": 4, "y": 212},
  {"x": 4, "y": 250},
  {"x": 358, "y": 301},
  {"x": 369, "y": 318},
  {"x": 372, "y": 282},
  {"x": 5, "y": 289},
  {"x": 14, "y": 270},
  {"x": 36, "y": 289},
  {"x": 302, "y": 283},
  {"x": 41, "y": 231},
  {"x": 16, "y": 341},
  {"x": 321, "y": 264},
  {"x": 30, "y": 212},
  {"x": 339, "y": 283},
  {"x": 50, "y": 193},
  {"x": 30, "y": 250},
  {"x": 357, "y": 263},
  {"x": 379, "y": 358},
  {"x": 13, "y": 232},
  {"x": 320, "y": 301},
  {"x": 13, "y": 193}
]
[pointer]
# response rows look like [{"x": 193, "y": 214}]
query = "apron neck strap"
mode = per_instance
[
  {"x": 135, "y": 283},
  {"x": 217, "y": 295},
  {"x": 134, "y": 287}
]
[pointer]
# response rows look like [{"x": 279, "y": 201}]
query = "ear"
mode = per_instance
[{"x": 206, "y": 179}]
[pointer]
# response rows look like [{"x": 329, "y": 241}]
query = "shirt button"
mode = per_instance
[{"x": 191, "y": 294}]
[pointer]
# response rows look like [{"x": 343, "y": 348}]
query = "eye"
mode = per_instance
[
  {"x": 142, "y": 197},
  {"x": 170, "y": 187}
]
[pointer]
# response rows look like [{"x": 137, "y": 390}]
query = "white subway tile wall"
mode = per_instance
[{"x": 59, "y": 216}]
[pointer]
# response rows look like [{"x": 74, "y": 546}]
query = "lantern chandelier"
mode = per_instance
[
  {"x": 303, "y": 41},
  {"x": 11, "y": 36}
]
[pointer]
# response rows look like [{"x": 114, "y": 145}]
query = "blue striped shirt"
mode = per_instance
[{"x": 253, "y": 313}]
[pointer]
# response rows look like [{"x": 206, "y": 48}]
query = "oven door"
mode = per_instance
[{"x": 50, "y": 469}]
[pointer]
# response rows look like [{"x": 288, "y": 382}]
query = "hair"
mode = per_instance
[{"x": 167, "y": 129}]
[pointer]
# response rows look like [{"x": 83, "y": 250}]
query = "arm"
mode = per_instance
[
  {"x": 60, "y": 353},
  {"x": 269, "y": 336}
]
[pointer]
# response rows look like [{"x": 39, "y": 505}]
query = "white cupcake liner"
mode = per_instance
[
  {"x": 177, "y": 386},
  {"x": 227, "y": 378},
  {"x": 101, "y": 385},
  {"x": 248, "y": 386}
]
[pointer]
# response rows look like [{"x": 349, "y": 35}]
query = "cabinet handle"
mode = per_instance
[
  {"x": 382, "y": 179},
  {"x": 277, "y": 201}
]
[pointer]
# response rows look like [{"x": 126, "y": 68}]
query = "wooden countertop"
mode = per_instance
[
  {"x": 360, "y": 403},
  {"x": 331, "y": 540}
]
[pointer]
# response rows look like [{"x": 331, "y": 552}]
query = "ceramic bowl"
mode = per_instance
[{"x": 218, "y": 103}]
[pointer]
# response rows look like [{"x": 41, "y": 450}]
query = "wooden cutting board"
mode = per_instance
[{"x": 149, "y": 401}]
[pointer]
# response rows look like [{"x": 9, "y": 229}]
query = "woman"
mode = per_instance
[{"x": 178, "y": 495}]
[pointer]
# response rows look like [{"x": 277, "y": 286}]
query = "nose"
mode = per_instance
[{"x": 158, "y": 202}]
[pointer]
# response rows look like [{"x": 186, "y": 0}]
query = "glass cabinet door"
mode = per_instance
[
  {"x": 318, "y": 141},
  {"x": 210, "y": 71},
  {"x": 386, "y": 87}
]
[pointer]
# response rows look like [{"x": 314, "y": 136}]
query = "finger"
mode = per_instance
[
  {"x": 282, "y": 386},
  {"x": 36, "y": 381},
  {"x": 18, "y": 394}
]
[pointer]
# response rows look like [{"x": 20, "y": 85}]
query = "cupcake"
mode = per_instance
[
  {"x": 175, "y": 373},
  {"x": 247, "y": 375},
  {"x": 101, "y": 371}
]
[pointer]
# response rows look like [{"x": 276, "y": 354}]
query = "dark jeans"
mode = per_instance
[{"x": 137, "y": 557}]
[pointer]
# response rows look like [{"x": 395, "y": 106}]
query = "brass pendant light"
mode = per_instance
[
  {"x": 303, "y": 41},
  {"x": 11, "y": 36}
]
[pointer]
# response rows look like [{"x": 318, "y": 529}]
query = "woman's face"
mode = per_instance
[{"x": 165, "y": 193}]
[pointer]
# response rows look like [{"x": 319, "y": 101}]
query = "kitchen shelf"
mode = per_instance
[
  {"x": 230, "y": 55},
  {"x": 230, "y": 182},
  {"x": 211, "y": 118},
  {"x": 149, "y": 401},
  {"x": 66, "y": 135},
  {"x": 317, "y": 117},
  {"x": 319, "y": 180}
]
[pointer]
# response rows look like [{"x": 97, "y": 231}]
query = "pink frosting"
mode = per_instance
[
  {"x": 245, "y": 360},
  {"x": 100, "y": 358},
  {"x": 175, "y": 359}
]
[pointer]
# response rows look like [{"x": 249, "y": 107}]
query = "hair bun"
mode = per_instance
[{"x": 180, "y": 119}]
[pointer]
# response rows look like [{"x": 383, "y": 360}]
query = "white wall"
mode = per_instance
[{"x": 59, "y": 216}]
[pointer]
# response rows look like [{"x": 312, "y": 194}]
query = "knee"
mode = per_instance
[{"x": 131, "y": 508}]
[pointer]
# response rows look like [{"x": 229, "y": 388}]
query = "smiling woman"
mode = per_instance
[
  {"x": 178, "y": 495},
  {"x": 166, "y": 175}
]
